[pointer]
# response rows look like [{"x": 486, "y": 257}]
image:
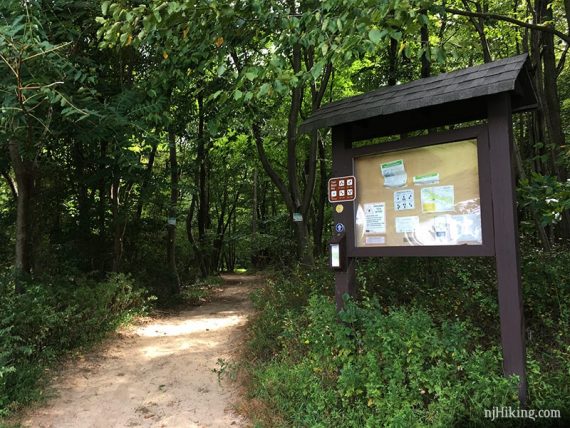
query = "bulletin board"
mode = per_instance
[{"x": 424, "y": 196}]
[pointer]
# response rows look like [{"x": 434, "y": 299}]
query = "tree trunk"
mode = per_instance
[
  {"x": 117, "y": 226},
  {"x": 302, "y": 241},
  {"x": 393, "y": 62},
  {"x": 321, "y": 201},
  {"x": 203, "y": 193},
  {"x": 101, "y": 207},
  {"x": 479, "y": 25},
  {"x": 522, "y": 175},
  {"x": 174, "y": 286},
  {"x": 83, "y": 237},
  {"x": 254, "y": 220},
  {"x": 146, "y": 183},
  {"x": 551, "y": 104},
  {"x": 426, "y": 56},
  {"x": 552, "y": 101},
  {"x": 23, "y": 169}
]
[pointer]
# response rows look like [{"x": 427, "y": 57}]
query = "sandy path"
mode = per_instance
[{"x": 157, "y": 374}]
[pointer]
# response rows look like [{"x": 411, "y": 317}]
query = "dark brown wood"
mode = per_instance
[
  {"x": 486, "y": 249},
  {"x": 345, "y": 281},
  {"x": 421, "y": 118},
  {"x": 507, "y": 240}
]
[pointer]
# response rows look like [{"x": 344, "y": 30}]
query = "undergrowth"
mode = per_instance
[
  {"x": 419, "y": 347},
  {"x": 52, "y": 317}
]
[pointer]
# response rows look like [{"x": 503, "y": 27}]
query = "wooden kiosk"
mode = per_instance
[{"x": 439, "y": 194}]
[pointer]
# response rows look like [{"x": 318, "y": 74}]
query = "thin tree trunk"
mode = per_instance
[
  {"x": 479, "y": 25},
  {"x": 254, "y": 220},
  {"x": 321, "y": 201},
  {"x": 522, "y": 174},
  {"x": 117, "y": 226},
  {"x": 83, "y": 237},
  {"x": 203, "y": 192},
  {"x": 426, "y": 56},
  {"x": 101, "y": 207},
  {"x": 23, "y": 170},
  {"x": 203, "y": 209},
  {"x": 219, "y": 238},
  {"x": 146, "y": 183},
  {"x": 393, "y": 62},
  {"x": 198, "y": 253},
  {"x": 552, "y": 106},
  {"x": 174, "y": 286}
]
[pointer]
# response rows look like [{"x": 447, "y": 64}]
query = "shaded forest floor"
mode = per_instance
[{"x": 156, "y": 373}]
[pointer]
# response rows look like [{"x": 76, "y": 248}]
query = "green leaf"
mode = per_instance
[
  {"x": 238, "y": 94},
  {"x": 105, "y": 7},
  {"x": 221, "y": 70},
  {"x": 317, "y": 70},
  {"x": 264, "y": 90},
  {"x": 251, "y": 75},
  {"x": 375, "y": 36}
]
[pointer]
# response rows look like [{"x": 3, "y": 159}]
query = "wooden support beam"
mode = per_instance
[
  {"x": 507, "y": 240},
  {"x": 345, "y": 281}
]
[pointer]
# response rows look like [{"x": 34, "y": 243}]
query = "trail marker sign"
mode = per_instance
[{"x": 342, "y": 189}]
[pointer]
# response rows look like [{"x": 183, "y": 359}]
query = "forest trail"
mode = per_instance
[{"x": 157, "y": 373}]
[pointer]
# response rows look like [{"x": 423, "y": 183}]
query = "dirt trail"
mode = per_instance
[{"x": 156, "y": 374}]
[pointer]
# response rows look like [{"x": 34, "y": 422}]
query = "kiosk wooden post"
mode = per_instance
[
  {"x": 345, "y": 279},
  {"x": 507, "y": 239}
]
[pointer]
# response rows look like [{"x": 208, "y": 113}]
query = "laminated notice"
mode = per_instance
[
  {"x": 375, "y": 217},
  {"x": 375, "y": 240},
  {"x": 394, "y": 173},
  {"x": 404, "y": 200},
  {"x": 407, "y": 224},
  {"x": 441, "y": 228},
  {"x": 426, "y": 179},
  {"x": 467, "y": 227},
  {"x": 438, "y": 199}
]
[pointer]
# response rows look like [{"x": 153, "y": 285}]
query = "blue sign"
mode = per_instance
[{"x": 339, "y": 227}]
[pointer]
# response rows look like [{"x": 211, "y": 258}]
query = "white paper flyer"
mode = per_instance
[
  {"x": 375, "y": 217},
  {"x": 394, "y": 173}
]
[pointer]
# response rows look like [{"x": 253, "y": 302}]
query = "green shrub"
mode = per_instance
[
  {"x": 421, "y": 348},
  {"x": 281, "y": 301},
  {"x": 54, "y": 315},
  {"x": 377, "y": 369}
]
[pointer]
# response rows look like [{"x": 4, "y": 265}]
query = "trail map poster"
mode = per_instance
[{"x": 421, "y": 196}]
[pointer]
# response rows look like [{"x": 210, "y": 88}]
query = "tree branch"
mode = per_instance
[
  {"x": 537, "y": 27},
  {"x": 11, "y": 184},
  {"x": 269, "y": 169},
  {"x": 310, "y": 187},
  {"x": 562, "y": 61}
]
